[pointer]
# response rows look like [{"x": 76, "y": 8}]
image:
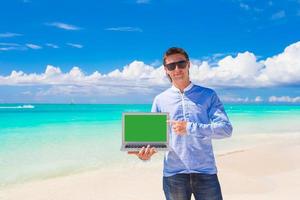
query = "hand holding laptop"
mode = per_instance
[{"x": 145, "y": 153}]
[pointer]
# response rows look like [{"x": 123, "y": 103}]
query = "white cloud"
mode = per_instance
[
  {"x": 53, "y": 75},
  {"x": 8, "y": 48},
  {"x": 230, "y": 71},
  {"x": 77, "y": 90},
  {"x": 54, "y": 46},
  {"x": 8, "y": 35},
  {"x": 156, "y": 63},
  {"x": 125, "y": 29},
  {"x": 11, "y": 46},
  {"x": 79, "y": 46},
  {"x": 283, "y": 68},
  {"x": 133, "y": 77},
  {"x": 14, "y": 46},
  {"x": 278, "y": 15},
  {"x": 233, "y": 99},
  {"x": 258, "y": 99},
  {"x": 245, "y": 70},
  {"x": 63, "y": 26},
  {"x": 27, "y": 92},
  {"x": 33, "y": 46},
  {"x": 284, "y": 99},
  {"x": 246, "y": 6},
  {"x": 237, "y": 99},
  {"x": 242, "y": 70}
]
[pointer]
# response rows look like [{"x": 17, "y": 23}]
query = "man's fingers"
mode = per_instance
[
  {"x": 147, "y": 150},
  {"x": 142, "y": 151},
  {"x": 145, "y": 153},
  {"x": 133, "y": 152},
  {"x": 153, "y": 151},
  {"x": 176, "y": 129},
  {"x": 179, "y": 127},
  {"x": 172, "y": 122},
  {"x": 179, "y": 131}
]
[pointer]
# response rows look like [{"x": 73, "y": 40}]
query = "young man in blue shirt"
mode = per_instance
[{"x": 196, "y": 117}]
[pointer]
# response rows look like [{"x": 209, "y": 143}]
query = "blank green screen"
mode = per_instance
[{"x": 145, "y": 128}]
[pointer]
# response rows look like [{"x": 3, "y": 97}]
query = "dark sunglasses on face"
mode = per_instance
[{"x": 180, "y": 64}]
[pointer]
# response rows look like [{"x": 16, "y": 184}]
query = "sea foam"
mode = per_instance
[{"x": 17, "y": 107}]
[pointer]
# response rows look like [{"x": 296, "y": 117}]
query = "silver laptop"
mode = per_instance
[{"x": 140, "y": 129}]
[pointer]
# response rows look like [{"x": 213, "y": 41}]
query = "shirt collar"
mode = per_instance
[{"x": 185, "y": 89}]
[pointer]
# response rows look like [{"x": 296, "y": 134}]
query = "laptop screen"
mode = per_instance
[{"x": 145, "y": 127}]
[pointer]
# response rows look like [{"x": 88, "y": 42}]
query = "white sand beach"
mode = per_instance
[{"x": 270, "y": 171}]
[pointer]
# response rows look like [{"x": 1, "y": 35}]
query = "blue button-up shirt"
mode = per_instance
[{"x": 204, "y": 113}]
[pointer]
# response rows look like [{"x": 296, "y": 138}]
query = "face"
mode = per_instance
[{"x": 178, "y": 74}]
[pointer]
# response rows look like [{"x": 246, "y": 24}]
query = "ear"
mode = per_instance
[
  {"x": 166, "y": 70},
  {"x": 169, "y": 77},
  {"x": 189, "y": 64}
]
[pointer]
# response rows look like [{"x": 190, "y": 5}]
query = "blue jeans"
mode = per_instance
[{"x": 202, "y": 186}]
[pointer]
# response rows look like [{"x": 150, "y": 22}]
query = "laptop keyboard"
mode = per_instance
[{"x": 143, "y": 145}]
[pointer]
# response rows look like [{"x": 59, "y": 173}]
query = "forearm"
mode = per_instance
[{"x": 213, "y": 130}]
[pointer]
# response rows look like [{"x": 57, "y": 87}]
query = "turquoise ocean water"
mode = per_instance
[{"x": 45, "y": 140}]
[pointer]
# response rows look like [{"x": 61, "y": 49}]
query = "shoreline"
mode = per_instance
[
  {"x": 129, "y": 161},
  {"x": 268, "y": 171}
]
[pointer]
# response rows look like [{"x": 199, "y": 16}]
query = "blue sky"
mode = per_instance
[{"x": 100, "y": 51}]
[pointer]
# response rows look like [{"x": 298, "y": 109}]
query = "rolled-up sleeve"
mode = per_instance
[{"x": 219, "y": 126}]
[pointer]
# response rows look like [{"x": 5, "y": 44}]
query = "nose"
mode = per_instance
[{"x": 177, "y": 68}]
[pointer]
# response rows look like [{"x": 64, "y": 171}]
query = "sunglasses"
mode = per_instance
[{"x": 180, "y": 64}]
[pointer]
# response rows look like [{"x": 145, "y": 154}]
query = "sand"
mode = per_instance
[{"x": 269, "y": 171}]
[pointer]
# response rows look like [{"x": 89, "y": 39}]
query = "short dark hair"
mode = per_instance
[{"x": 175, "y": 50}]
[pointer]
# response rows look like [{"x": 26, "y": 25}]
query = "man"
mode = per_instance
[{"x": 196, "y": 116}]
